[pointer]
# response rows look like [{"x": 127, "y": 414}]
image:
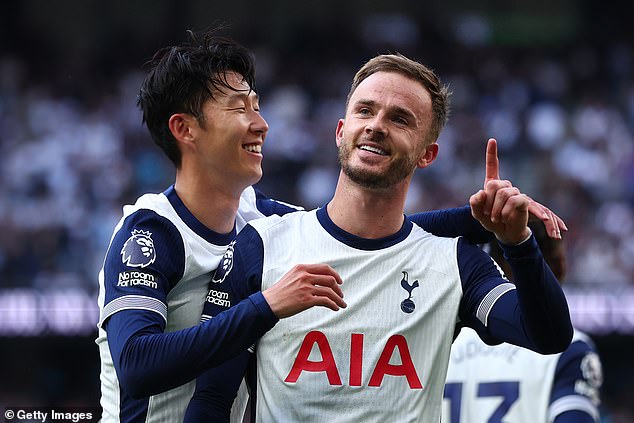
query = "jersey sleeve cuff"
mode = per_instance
[
  {"x": 260, "y": 303},
  {"x": 132, "y": 302},
  {"x": 528, "y": 247}
]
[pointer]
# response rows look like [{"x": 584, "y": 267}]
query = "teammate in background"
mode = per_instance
[
  {"x": 515, "y": 385},
  {"x": 200, "y": 104},
  {"x": 384, "y": 358}
]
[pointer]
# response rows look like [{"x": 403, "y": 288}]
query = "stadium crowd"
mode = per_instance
[
  {"x": 564, "y": 120},
  {"x": 73, "y": 149}
]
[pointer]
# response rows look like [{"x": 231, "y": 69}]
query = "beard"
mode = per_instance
[{"x": 398, "y": 169}]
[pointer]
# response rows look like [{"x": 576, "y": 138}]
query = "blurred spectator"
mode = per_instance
[
  {"x": 73, "y": 151},
  {"x": 68, "y": 163}
]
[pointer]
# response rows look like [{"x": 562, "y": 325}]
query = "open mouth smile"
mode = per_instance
[
  {"x": 253, "y": 148},
  {"x": 374, "y": 150}
]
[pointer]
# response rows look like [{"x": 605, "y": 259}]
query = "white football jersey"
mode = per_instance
[
  {"x": 385, "y": 354},
  {"x": 163, "y": 238},
  {"x": 515, "y": 385}
]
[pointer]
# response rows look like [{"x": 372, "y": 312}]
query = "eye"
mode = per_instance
[
  {"x": 401, "y": 120},
  {"x": 364, "y": 111}
]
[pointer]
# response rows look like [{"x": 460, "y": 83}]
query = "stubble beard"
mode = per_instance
[{"x": 398, "y": 170}]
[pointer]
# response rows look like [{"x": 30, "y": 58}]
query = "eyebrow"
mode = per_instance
[{"x": 234, "y": 95}]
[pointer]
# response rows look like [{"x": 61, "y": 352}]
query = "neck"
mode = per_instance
[
  {"x": 213, "y": 204},
  {"x": 368, "y": 213}
]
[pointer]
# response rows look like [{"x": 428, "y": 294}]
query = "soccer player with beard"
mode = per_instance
[
  {"x": 384, "y": 357},
  {"x": 200, "y": 104}
]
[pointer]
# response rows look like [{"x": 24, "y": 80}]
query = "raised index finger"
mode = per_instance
[{"x": 492, "y": 163}]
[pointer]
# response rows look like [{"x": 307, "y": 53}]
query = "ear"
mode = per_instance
[
  {"x": 183, "y": 127},
  {"x": 339, "y": 132},
  {"x": 428, "y": 155}
]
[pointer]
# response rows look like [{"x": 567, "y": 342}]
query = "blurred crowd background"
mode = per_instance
[{"x": 553, "y": 81}]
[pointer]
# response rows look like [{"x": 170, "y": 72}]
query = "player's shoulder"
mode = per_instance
[
  {"x": 581, "y": 364},
  {"x": 149, "y": 211},
  {"x": 157, "y": 202},
  {"x": 582, "y": 338},
  {"x": 582, "y": 353},
  {"x": 581, "y": 348},
  {"x": 421, "y": 234},
  {"x": 279, "y": 223},
  {"x": 254, "y": 203},
  {"x": 145, "y": 221}
]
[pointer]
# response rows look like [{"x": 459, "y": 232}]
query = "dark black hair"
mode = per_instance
[{"x": 182, "y": 78}]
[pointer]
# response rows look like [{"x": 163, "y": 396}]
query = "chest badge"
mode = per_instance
[{"x": 407, "y": 305}]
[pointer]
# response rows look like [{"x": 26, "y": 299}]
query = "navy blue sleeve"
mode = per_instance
[
  {"x": 269, "y": 207},
  {"x": 578, "y": 380},
  {"x": 145, "y": 259},
  {"x": 240, "y": 275},
  {"x": 532, "y": 313},
  {"x": 453, "y": 223},
  {"x": 574, "y": 416},
  {"x": 149, "y": 361}
]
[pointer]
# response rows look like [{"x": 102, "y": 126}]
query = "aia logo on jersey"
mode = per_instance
[
  {"x": 138, "y": 250},
  {"x": 225, "y": 266},
  {"x": 407, "y": 305},
  {"x": 396, "y": 345}
]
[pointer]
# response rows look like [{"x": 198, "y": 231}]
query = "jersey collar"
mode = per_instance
[
  {"x": 358, "y": 242},
  {"x": 196, "y": 225}
]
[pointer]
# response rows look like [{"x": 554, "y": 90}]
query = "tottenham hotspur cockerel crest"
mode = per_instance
[{"x": 138, "y": 250}]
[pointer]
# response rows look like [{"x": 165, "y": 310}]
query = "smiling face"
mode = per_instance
[
  {"x": 230, "y": 134},
  {"x": 382, "y": 139}
]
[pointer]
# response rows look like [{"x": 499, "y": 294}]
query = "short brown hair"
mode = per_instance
[{"x": 417, "y": 71}]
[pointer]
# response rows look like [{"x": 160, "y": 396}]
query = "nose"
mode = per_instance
[
  {"x": 259, "y": 124},
  {"x": 375, "y": 126}
]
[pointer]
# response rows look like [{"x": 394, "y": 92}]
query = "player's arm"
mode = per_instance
[
  {"x": 575, "y": 416},
  {"x": 452, "y": 223},
  {"x": 532, "y": 313},
  {"x": 149, "y": 361},
  {"x": 578, "y": 379},
  {"x": 535, "y": 314},
  {"x": 241, "y": 273},
  {"x": 459, "y": 221},
  {"x": 144, "y": 261},
  {"x": 146, "y": 359}
]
